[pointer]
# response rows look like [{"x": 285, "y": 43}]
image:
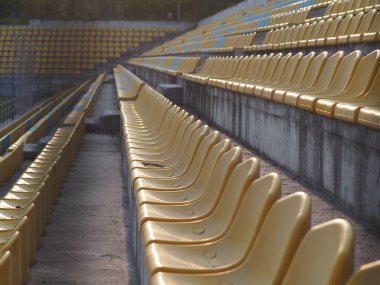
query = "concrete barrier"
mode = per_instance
[{"x": 339, "y": 158}]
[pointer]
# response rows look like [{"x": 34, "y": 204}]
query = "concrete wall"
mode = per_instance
[
  {"x": 339, "y": 158},
  {"x": 234, "y": 9},
  {"x": 180, "y": 26}
]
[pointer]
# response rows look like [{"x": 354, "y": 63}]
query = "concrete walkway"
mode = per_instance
[{"x": 87, "y": 240}]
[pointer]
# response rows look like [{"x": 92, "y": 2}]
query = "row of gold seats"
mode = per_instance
[
  {"x": 352, "y": 29},
  {"x": 72, "y": 39},
  {"x": 340, "y": 86},
  {"x": 86, "y": 103},
  {"x": 13, "y": 138},
  {"x": 67, "y": 46},
  {"x": 293, "y": 17},
  {"x": 128, "y": 85},
  {"x": 342, "y": 6},
  {"x": 40, "y": 71},
  {"x": 172, "y": 65},
  {"x": 96, "y": 31},
  {"x": 228, "y": 27},
  {"x": 201, "y": 215},
  {"x": 298, "y": 15},
  {"x": 25, "y": 210},
  {"x": 228, "y": 44}
]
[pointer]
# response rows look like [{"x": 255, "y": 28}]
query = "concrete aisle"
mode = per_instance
[{"x": 87, "y": 240}]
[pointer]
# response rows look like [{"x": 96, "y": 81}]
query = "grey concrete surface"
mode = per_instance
[
  {"x": 106, "y": 100},
  {"x": 87, "y": 240},
  {"x": 339, "y": 158}
]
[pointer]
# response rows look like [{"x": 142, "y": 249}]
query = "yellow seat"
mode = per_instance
[
  {"x": 266, "y": 76},
  {"x": 370, "y": 117},
  {"x": 6, "y": 268},
  {"x": 165, "y": 150},
  {"x": 349, "y": 109},
  {"x": 341, "y": 30},
  {"x": 324, "y": 257},
  {"x": 287, "y": 76},
  {"x": 153, "y": 141},
  {"x": 222, "y": 164},
  {"x": 256, "y": 201},
  {"x": 363, "y": 27},
  {"x": 373, "y": 33},
  {"x": 223, "y": 194},
  {"x": 10, "y": 242},
  {"x": 277, "y": 76},
  {"x": 359, "y": 84},
  {"x": 22, "y": 227},
  {"x": 299, "y": 76},
  {"x": 191, "y": 179},
  {"x": 368, "y": 274},
  {"x": 264, "y": 262},
  {"x": 192, "y": 171},
  {"x": 322, "y": 83},
  {"x": 175, "y": 167},
  {"x": 338, "y": 83}
]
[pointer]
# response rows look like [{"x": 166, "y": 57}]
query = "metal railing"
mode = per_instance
[{"x": 9, "y": 110}]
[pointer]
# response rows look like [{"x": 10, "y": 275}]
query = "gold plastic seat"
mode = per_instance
[
  {"x": 324, "y": 257},
  {"x": 373, "y": 33},
  {"x": 360, "y": 83},
  {"x": 299, "y": 76},
  {"x": 222, "y": 197},
  {"x": 193, "y": 169},
  {"x": 277, "y": 76},
  {"x": 167, "y": 151},
  {"x": 209, "y": 181},
  {"x": 10, "y": 242},
  {"x": 368, "y": 274},
  {"x": 264, "y": 262},
  {"x": 287, "y": 76},
  {"x": 256, "y": 201},
  {"x": 6, "y": 268},
  {"x": 370, "y": 117},
  {"x": 192, "y": 177},
  {"x": 348, "y": 109},
  {"x": 266, "y": 76},
  {"x": 338, "y": 83},
  {"x": 322, "y": 83},
  {"x": 177, "y": 167}
]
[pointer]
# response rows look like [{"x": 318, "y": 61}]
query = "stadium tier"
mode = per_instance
[
  {"x": 68, "y": 51},
  {"x": 301, "y": 79},
  {"x": 201, "y": 215}
]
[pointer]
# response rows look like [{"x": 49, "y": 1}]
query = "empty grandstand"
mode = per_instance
[{"x": 242, "y": 149}]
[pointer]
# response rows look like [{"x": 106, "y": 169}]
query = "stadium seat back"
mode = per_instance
[
  {"x": 324, "y": 257},
  {"x": 5, "y": 268},
  {"x": 366, "y": 275},
  {"x": 280, "y": 235}
]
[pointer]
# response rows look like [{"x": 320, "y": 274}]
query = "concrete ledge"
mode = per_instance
[
  {"x": 154, "y": 77},
  {"x": 339, "y": 158},
  {"x": 174, "y": 92},
  {"x": 31, "y": 151},
  {"x": 109, "y": 121}
]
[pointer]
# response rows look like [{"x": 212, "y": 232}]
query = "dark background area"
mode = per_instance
[{"x": 18, "y": 11}]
